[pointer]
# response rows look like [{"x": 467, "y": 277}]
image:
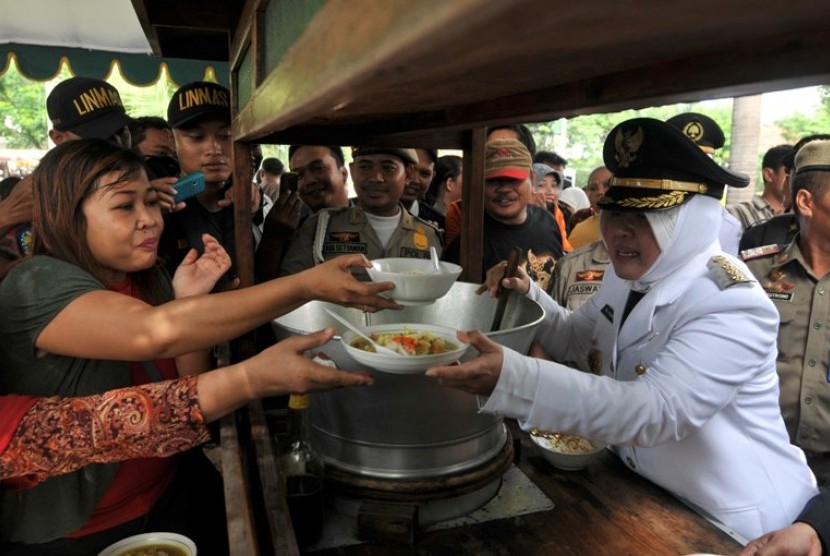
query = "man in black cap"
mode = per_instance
[
  {"x": 86, "y": 108},
  {"x": 701, "y": 129},
  {"x": 200, "y": 115},
  {"x": 78, "y": 108},
  {"x": 377, "y": 225},
  {"x": 708, "y": 135},
  {"x": 672, "y": 390}
]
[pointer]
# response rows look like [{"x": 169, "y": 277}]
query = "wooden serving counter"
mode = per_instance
[{"x": 603, "y": 509}]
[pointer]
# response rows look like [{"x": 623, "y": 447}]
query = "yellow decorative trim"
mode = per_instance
[
  {"x": 661, "y": 201},
  {"x": 726, "y": 273},
  {"x": 670, "y": 185}
]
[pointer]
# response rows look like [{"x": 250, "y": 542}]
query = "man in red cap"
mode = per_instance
[{"x": 509, "y": 220}]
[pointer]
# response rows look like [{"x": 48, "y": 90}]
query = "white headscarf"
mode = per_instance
[
  {"x": 682, "y": 233},
  {"x": 575, "y": 198}
]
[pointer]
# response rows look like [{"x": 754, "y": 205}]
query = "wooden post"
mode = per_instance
[{"x": 472, "y": 193}]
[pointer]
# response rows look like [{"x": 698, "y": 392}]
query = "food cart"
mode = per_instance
[{"x": 434, "y": 73}]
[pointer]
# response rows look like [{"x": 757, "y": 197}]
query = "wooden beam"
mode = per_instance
[
  {"x": 472, "y": 191},
  {"x": 306, "y": 83},
  {"x": 277, "y": 517},
  {"x": 242, "y": 537},
  {"x": 786, "y": 61},
  {"x": 565, "y": 60}
]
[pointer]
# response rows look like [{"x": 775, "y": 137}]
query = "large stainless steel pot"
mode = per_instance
[{"x": 407, "y": 426}]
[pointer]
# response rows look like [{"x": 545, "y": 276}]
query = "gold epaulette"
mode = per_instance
[
  {"x": 726, "y": 273},
  {"x": 763, "y": 251}
]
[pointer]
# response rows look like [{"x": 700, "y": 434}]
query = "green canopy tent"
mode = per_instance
[
  {"x": 41, "y": 63},
  {"x": 91, "y": 36}
]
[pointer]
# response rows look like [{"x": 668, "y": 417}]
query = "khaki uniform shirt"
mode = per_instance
[
  {"x": 348, "y": 231},
  {"x": 803, "y": 303},
  {"x": 578, "y": 275},
  {"x": 751, "y": 212}
]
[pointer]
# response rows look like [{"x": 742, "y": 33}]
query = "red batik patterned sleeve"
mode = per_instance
[{"x": 57, "y": 435}]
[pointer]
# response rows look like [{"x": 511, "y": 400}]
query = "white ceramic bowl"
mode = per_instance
[
  {"x": 404, "y": 364},
  {"x": 170, "y": 544},
  {"x": 416, "y": 282},
  {"x": 559, "y": 455}
]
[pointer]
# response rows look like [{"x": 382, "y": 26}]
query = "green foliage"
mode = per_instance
[
  {"x": 23, "y": 105},
  {"x": 580, "y": 139},
  {"x": 145, "y": 101},
  {"x": 22, "y": 111},
  {"x": 798, "y": 125}
]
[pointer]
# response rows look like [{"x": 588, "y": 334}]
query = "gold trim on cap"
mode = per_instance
[
  {"x": 669, "y": 185},
  {"x": 660, "y": 201}
]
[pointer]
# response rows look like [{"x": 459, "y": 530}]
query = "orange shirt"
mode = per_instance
[
  {"x": 452, "y": 225},
  {"x": 560, "y": 221}
]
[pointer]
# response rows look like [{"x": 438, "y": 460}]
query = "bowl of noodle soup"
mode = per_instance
[
  {"x": 419, "y": 347},
  {"x": 152, "y": 544}
]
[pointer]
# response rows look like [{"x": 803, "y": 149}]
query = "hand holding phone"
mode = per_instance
[
  {"x": 189, "y": 186},
  {"x": 160, "y": 166},
  {"x": 289, "y": 182}
]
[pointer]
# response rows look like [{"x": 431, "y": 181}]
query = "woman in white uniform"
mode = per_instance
[{"x": 681, "y": 338}]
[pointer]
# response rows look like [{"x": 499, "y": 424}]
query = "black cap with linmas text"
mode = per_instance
[
  {"x": 656, "y": 166},
  {"x": 701, "y": 129},
  {"x": 198, "y": 100},
  {"x": 89, "y": 108}
]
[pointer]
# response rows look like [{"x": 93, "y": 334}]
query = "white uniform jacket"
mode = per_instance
[{"x": 687, "y": 392}]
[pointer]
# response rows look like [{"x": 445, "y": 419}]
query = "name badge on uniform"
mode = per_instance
[
  {"x": 608, "y": 312},
  {"x": 780, "y": 296},
  {"x": 410, "y": 253}
]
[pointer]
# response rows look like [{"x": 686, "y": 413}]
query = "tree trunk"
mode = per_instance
[{"x": 746, "y": 133}]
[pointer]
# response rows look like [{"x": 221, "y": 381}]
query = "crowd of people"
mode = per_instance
[{"x": 688, "y": 336}]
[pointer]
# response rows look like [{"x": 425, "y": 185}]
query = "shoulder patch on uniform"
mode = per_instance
[
  {"x": 608, "y": 312},
  {"x": 430, "y": 223},
  {"x": 726, "y": 273},
  {"x": 763, "y": 251}
]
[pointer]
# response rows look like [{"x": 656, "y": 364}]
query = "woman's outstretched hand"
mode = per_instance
[
  {"x": 197, "y": 274},
  {"x": 284, "y": 369},
  {"x": 333, "y": 281}
]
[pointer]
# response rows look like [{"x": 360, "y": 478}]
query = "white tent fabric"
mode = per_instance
[
  {"x": 94, "y": 24},
  {"x": 93, "y": 36}
]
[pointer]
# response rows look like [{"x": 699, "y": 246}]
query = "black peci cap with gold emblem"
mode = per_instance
[
  {"x": 656, "y": 166},
  {"x": 701, "y": 129}
]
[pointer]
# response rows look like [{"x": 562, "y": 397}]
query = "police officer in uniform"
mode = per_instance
[
  {"x": 796, "y": 277},
  {"x": 683, "y": 400},
  {"x": 377, "y": 226}
]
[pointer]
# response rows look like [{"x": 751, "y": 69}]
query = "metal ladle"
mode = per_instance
[{"x": 378, "y": 348}]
